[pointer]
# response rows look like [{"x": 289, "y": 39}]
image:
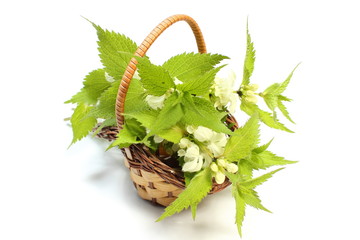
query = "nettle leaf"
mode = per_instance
[
  {"x": 95, "y": 83},
  {"x": 251, "y": 198},
  {"x": 188, "y": 66},
  {"x": 253, "y": 183},
  {"x": 244, "y": 140},
  {"x": 107, "y": 123},
  {"x": 106, "y": 107},
  {"x": 111, "y": 45},
  {"x": 173, "y": 134},
  {"x": 267, "y": 159},
  {"x": 146, "y": 116},
  {"x": 155, "y": 79},
  {"x": 249, "y": 59},
  {"x": 198, "y": 188},
  {"x": 169, "y": 115},
  {"x": 81, "y": 122},
  {"x": 284, "y": 84},
  {"x": 131, "y": 133},
  {"x": 201, "y": 112},
  {"x": 265, "y": 117},
  {"x": 135, "y": 96},
  {"x": 201, "y": 85},
  {"x": 283, "y": 110},
  {"x": 240, "y": 208}
]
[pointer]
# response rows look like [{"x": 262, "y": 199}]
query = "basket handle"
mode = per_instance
[{"x": 141, "y": 51}]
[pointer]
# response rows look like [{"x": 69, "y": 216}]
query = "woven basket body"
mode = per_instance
[{"x": 157, "y": 178}]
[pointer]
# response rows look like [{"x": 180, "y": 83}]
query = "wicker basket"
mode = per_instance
[{"x": 157, "y": 177}]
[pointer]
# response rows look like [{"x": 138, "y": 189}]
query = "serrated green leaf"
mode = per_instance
[
  {"x": 271, "y": 101},
  {"x": 251, "y": 198},
  {"x": 111, "y": 45},
  {"x": 240, "y": 208},
  {"x": 168, "y": 116},
  {"x": 106, "y": 107},
  {"x": 265, "y": 117},
  {"x": 263, "y": 147},
  {"x": 249, "y": 59},
  {"x": 146, "y": 116},
  {"x": 173, "y": 134},
  {"x": 244, "y": 140},
  {"x": 253, "y": 183},
  {"x": 267, "y": 159},
  {"x": 81, "y": 123},
  {"x": 284, "y": 84},
  {"x": 107, "y": 123},
  {"x": 204, "y": 115},
  {"x": 197, "y": 189},
  {"x": 135, "y": 96},
  {"x": 283, "y": 110},
  {"x": 155, "y": 79},
  {"x": 188, "y": 66},
  {"x": 201, "y": 85},
  {"x": 95, "y": 83},
  {"x": 283, "y": 98},
  {"x": 127, "y": 136}
]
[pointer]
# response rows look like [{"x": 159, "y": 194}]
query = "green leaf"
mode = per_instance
[
  {"x": 263, "y": 147},
  {"x": 283, "y": 110},
  {"x": 271, "y": 101},
  {"x": 146, "y": 117},
  {"x": 251, "y": 198},
  {"x": 125, "y": 138},
  {"x": 135, "y": 96},
  {"x": 245, "y": 169},
  {"x": 267, "y": 159},
  {"x": 155, "y": 79},
  {"x": 106, "y": 107},
  {"x": 244, "y": 140},
  {"x": 95, "y": 83},
  {"x": 169, "y": 115},
  {"x": 265, "y": 117},
  {"x": 249, "y": 59},
  {"x": 188, "y": 66},
  {"x": 240, "y": 208},
  {"x": 197, "y": 189},
  {"x": 111, "y": 45},
  {"x": 284, "y": 84},
  {"x": 201, "y": 112},
  {"x": 201, "y": 85},
  {"x": 173, "y": 134},
  {"x": 81, "y": 123},
  {"x": 253, "y": 183},
  {"x": 107, "y": 123}
]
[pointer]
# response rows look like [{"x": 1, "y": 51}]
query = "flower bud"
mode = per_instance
[
  {"x": 231, "y": 167},
  {"x": 253, "y": 87},
  {"x": 158, "y": 139},
  {"x": 190, "y": 129},
  {"x": 219, "y": 177},
  {"x": 214, "y": 167},
  {"x": 221, "y": 162},
  {"x": 184, "y": 143},
  {"x": 251, "y": 99}
]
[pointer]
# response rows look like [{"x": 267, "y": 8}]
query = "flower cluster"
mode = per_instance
[
  {"x": 225, "y": 96},
  {"x": 248, "y": 92},
  {"x": 200, "y": 152},
  {"x": 218, "y": 168}
]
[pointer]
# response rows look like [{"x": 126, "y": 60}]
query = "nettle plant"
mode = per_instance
[{"x": 181, "y": 107}]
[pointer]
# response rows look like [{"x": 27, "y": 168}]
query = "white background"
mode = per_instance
[{"x": 49, "y": 192}]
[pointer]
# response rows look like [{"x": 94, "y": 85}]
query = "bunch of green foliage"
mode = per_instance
[{"x": 187, "y": 82}]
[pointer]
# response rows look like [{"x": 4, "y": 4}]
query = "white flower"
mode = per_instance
[
  {"x": 219, "y": 177},
  {"x": 190, "y": 129},
  {"x": 207, "y": 159},
  {"x": 193, "y": 166},
  {"x": 158, "y": 139},
  {"x": 185, "y": 143},
  {"x": 181, "y": 152},
  {"x": 155, "y": 102},
  {"x": 231, "y": 167},
  {"x": 217, "y": 144},
  {"x": 203, "y": 134},
  {"x": 109, "y": 78},
  {"x": 223, "y": 90},
  {"x": 192, "y": 152},
  {"x": 215, "y": 149}
]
